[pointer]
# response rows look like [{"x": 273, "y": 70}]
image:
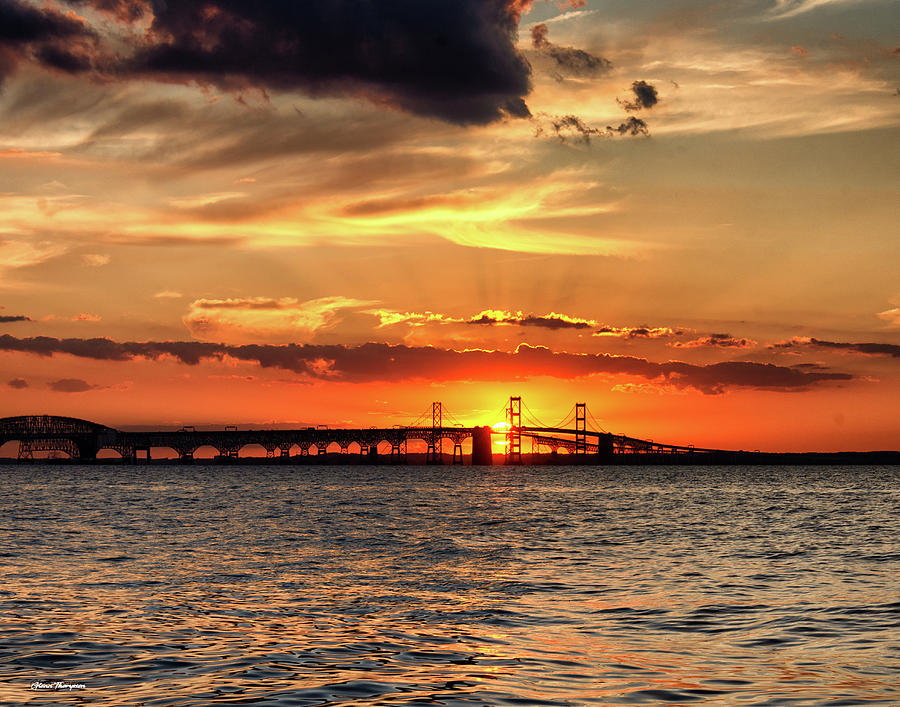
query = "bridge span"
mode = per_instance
[{"x": 84, "y": 440}]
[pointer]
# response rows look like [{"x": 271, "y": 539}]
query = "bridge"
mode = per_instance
[{"x": 578, "y": 435}]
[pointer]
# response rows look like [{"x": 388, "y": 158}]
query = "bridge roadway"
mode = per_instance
[
  {"x": 558, "y": 437},
  {"x": 82, "y": 439}
]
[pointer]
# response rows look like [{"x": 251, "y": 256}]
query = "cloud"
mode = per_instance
[
  {"x": 167, "y": 294},
  {"x": 645, "y": 96},
  {"x": 70, "y": 385},
  {"x": 20, "y": 254},
  {"x": 539, "y": 35},
  {"x": 632, "y": 126},
  {"x": 725, "y": 341},
  {"x": 96, "y": 260},
  {"x": 384, "y": 362},
  {"x": 56, "y": 41},
  {"x": 571, "y": 128},
  {"x": 18, "y": 383},
  {"x": 553, "y": 320},
  {"x": 490, "y": 317},
  {"x": 638, "y": 332},
  {"x": 891, "y": 315},
  {"x": 84, "y": 317},
  {"x": 867, "y": 349},
  {"x": 8, "y": 319},
  {"x": 17, "y": 154},
  {"x": 789, "y": 8},
  {"x": 387, "y": 317},
  {"x": 567, "y": 61},
  {"x": 252, "y": 318},
  {"x": 455, "y": 61}
]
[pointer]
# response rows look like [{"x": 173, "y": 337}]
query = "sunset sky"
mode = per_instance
[{"x": 683, "y": 213}]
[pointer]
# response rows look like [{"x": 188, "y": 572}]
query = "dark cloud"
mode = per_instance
[
  {"x": 456, "y": 61},
  {"x": 7, "y": 319},
  {"x": 568, "y": 61},
  {"x": 642, "y": 332},
  {"x": 49, "y": 37},
  {"x": 867, "y": 349},
  {"x": 572, "y": 128},
  {"x": 632, "y": 126},
  {"x": 384, "y": 362},
  {"x": 70, "y": 385},
  {"x": 124, "y": 10},
  {"x": 645, "y": 96},
  {"x": 725, "y": 341},
  {"x": 539, "y": 36},
  {"x": 21, "y": 23},
  {"x": 549, "y": 321},
  {"x": 870, "y": 349},
  {"x": 18, "y": 383}
]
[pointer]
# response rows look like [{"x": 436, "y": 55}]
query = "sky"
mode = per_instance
[{"x": 329, "y": 212}]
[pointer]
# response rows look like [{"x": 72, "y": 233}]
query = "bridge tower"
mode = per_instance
[
  {"x": 514, "y": 434},
  {"x": 435, "y": 441},
  {"x": 581, "y": 428}
]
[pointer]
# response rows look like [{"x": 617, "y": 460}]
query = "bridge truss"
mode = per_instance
[{"x": 577, "y": 434}]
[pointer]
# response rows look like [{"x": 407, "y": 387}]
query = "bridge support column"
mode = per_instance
[
  {"x": 605, "y": 447},
  {"x": 435, "y": 453},
  {"x": 580, "y": 429},
  {"x": 514, "y": 434},
  {"x": 87, "y": 450},
  {"x": 457, "y": 448},
  {"x": 482, "y": 453}
]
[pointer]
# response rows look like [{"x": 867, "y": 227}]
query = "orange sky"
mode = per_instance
[{"x": 683, "y": 214}]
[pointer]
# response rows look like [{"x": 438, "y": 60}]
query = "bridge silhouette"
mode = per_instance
[{"x": 578, "y": 435}]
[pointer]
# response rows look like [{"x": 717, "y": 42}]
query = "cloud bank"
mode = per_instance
[
  {"x": 384, "y": 362},
  {"x": 455, "y": 61}
]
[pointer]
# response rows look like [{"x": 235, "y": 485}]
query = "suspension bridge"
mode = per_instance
[{"x": 578, "y": 436}]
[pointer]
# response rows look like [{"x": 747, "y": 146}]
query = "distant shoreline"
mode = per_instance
[{"x": 738, "y": 458}]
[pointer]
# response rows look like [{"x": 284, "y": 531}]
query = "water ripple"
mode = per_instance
[{"x": 448, "y": 586}]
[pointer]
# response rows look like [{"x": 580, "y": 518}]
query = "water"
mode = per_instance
[{"x": 450, "y": 586}]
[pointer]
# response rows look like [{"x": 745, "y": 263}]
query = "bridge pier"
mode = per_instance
[{"x": 482, "y": 452}]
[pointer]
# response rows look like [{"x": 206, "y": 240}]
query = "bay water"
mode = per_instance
[{"x": 459, "y": 586}]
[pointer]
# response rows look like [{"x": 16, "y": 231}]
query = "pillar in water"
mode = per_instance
[{"x": 482, "y": 454}]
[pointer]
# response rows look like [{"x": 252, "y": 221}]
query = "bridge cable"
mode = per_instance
[
  {"x": 597, "y": 426},
  {"x": 420, "y": 418},
  {"x": 566, "y": 419},
  {"x": 450, "y": 417},
  {"x": 533, "y": 417},
  {"x": 502, "y": 412}
]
